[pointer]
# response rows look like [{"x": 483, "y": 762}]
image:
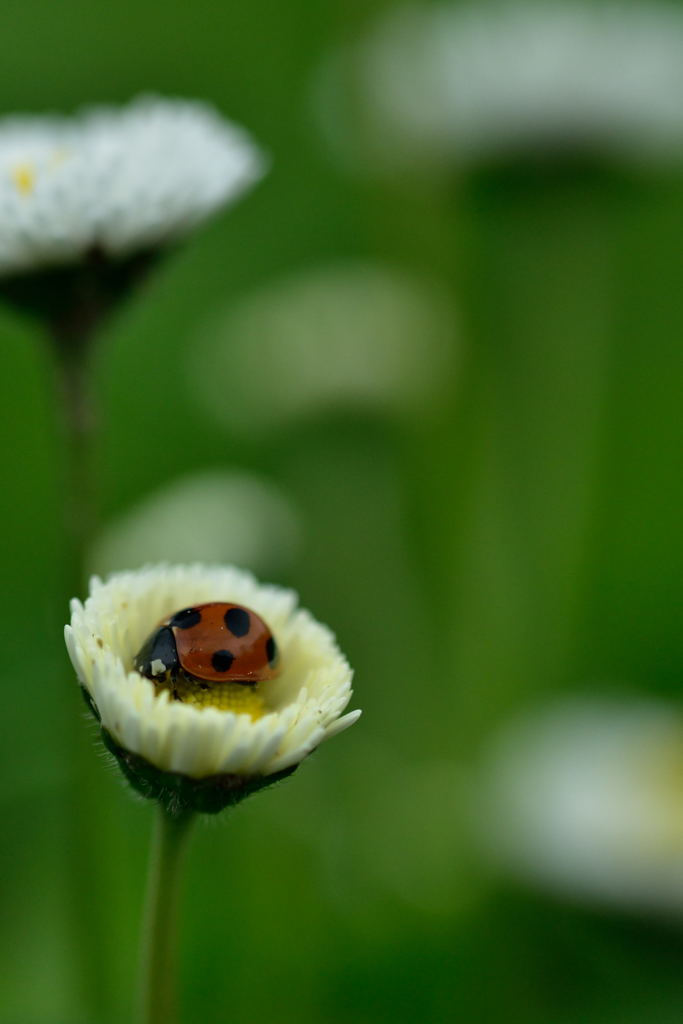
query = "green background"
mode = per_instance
[{"x": 521, "y": 540}]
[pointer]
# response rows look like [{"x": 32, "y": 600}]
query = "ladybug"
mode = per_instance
[{"x": 214, "y": 646}]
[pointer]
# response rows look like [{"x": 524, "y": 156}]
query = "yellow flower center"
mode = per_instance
[
  {"x": 244, "y": 700},
  {"x": 24, "y": 177}
]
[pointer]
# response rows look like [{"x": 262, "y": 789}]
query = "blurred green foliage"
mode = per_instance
[{"x": 522, "y": 539}]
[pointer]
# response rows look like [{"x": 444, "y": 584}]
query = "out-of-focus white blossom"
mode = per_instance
[
  {"x": 115, "y": 180},
  {"x": 357, "y": 335},
  {"x": 587, "y": 797},
  {"x": 236, "y": 518},
  {"x": 461, "y": 83}
]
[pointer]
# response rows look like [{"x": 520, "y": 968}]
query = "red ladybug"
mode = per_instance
[{"x": 210, "y": 643}]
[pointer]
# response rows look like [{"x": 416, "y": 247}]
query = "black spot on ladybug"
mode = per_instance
[
  {"x": 186, "y": 618},
  {"x": 238, "y": 621},
  {"x": 160, "y": 647},
  {"x": 271, "y": 651},
  {"x": 222, "y": 660}
]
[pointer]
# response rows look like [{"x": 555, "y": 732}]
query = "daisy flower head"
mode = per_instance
[
  {"x": 207, "y": 685},
  {"x": 585, "y": 796},
  {"x": 464, "y": 83},
  {"x": 236, "y": 516},
  {"x": 389, "y": 346},
  {"x": 115, "y": 181}
]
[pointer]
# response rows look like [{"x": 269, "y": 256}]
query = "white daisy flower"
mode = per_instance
[
  {"x": 189, "y": 750},
  {"x": 238, "y": 518},
  {"x": 476, "y": 81},
  {"x": 587, "y": 797},
  {"x": 358, "y": 335},
  {"x": 115, "y": 181}
]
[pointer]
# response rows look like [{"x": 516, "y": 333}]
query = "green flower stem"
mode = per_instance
[
  {"x": 73, "y": 303},
  {"x": 74, "y": 383},
  {"x": 73, "y": 350},
  {"x": 160, "y": 923}
]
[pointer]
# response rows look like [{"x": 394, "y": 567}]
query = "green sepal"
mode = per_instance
[
  {"x": 76, "y": 298},
  {"x": 90, "y": 703},
  {"x": 179, "y": 794}
]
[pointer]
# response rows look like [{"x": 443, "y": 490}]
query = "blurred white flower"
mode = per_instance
[
  {"x": 303, "y": 705},
  {"x": 115, "y": 180},
  {"x": 231, "y": 517},
  {"x": 587, "y": 797},
  {"x": 462, "y": 83},
  {"x": 359, "y": 334}
]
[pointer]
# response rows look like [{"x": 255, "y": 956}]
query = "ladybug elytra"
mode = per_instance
[{"x": 211, "y": 654}]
